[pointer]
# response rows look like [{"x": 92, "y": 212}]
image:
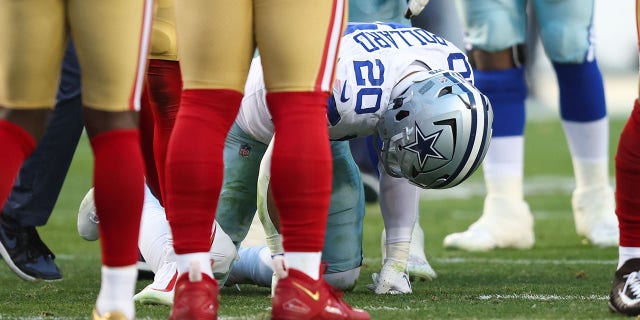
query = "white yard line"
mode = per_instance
[
  {"x": 538, "y": 185},
  {"x": 540, "y": 297},
  {"x": 374, "y": 261}
]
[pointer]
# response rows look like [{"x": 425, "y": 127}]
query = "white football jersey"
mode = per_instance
[{"x": 373, "y": 57}]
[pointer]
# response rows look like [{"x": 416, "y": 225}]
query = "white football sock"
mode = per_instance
[
  {"x": 306, "y": 262},
  {"x": 626, "y": 253},
  {"x": 117, "y": 289},
  {"x": 201, "y": 258},
  {"x": 503, "y": 167},
  {"x": 589, "y": 146}
]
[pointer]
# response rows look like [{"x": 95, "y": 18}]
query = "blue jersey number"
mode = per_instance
[
  {"x": 371, "y": 78},
  {"x": 455, "y": 60}
]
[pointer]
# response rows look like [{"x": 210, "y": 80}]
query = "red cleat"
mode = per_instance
[
  {"x": 300, "y": 297},
  {"x": 196, "y": 297}
]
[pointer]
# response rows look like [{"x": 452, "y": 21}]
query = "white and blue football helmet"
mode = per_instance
[{"x": 436, "y": 130}]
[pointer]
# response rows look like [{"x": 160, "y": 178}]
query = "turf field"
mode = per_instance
[{"x": 560, "y": 278}]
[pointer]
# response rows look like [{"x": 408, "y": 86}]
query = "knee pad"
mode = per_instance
[
  {"x": 566, "y": 42},
  {"x": 344, "y": 280},
  {"x": 507, "y": 91}
]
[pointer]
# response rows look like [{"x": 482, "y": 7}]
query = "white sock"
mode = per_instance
[
  {"x": 588, "y": 140},
  {"x": 503, "y": 167},
  {"x": 117, "y": 289},
  {"x": 590, "y": 173},
  {"x": 306, "y": 262},
  {"x": 627, "y": 253},
  {"x": 201, "y": 258}
]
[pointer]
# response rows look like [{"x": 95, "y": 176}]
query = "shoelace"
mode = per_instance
[{"x": 633, "y": 283}]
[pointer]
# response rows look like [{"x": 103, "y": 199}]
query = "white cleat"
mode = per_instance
[
  {"x": 162, "y": 289},
  {"x": 594, "y": 215},
  {"x": 505, "y": 223},
  {"x": 391, "y": 280},
  {"x": 420, "y": 270},
  {"x": 87, "y": 218}
]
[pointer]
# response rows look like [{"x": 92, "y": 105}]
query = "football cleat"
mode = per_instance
[
  {"x": 420, "y": 269},
  {"x": 87, "y": 218},
  {"x": 594, "y": 215},
  {"x": 625, "y": 289},
  {"x": 196, "y": 296},
  {"x": 116, "y": 315},
  {"x": 392, "y": 279},
  {"x": 298, "y": 296},
  {"x": 161, "y": 291},
  {"x": 505, "y": 223}
]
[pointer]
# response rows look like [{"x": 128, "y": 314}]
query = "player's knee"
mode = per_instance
[
  {"x": 566, "y": 42},
  {"x": 484, "y": 60},
  {"x": 343, "y": 280}
]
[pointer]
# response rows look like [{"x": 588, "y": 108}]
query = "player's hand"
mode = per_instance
[
  {"x": 414, "y": 7},
  {"x": 391, "y": 280}
]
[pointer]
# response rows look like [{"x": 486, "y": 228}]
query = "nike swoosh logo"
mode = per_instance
[
  {"x": 625, "y": 299},
  {"x": 344, "y": 99},
  {"x": 315, "y": 296}
]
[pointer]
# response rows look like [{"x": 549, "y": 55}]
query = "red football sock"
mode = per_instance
[
  {"x": 301, "y": 167},
  {"x": 628, "y": 180},
  {"x": 16, "y": 145},
  {"x": 146, "y": 142},
  {"x": 165, "y": 87},
  {"x": 118, "y": 179},
  {"x": 194, "y": 166}
]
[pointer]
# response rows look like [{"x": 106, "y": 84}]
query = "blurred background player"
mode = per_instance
[
  {"x": 217, "y": 42},
  {"x": 36, "y": 189},
  {"x": 112, "y": 71},
  {"x": 495, "y": 34},
  {"x": 625, "y": 289}
]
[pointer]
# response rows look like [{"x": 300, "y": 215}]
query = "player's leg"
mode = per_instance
[
  {"x": 237, "y": 204},
  {"x": 28, "y": 79},
  {"x": 624, "y": 295},
  {"x": 28, "y": 84},
  {"x": 496, "y": 31},
  {"x": 342, "y": 250},
  {"x": 216, "y": 47},
  {"x": 298, "y": 65},
  {"x": 566, "y": 32},
  {"x": 109, "y": 110},
  {"x": 39, "y": 182},
  {"x": 164, "y": 84}
]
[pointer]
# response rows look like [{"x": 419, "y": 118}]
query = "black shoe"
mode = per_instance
[
  {"x": 625, "y": 291},
  {"x": 25, "y": 253}
]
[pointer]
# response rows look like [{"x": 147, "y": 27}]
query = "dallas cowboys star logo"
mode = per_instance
[{"x": 424, "y": 147}]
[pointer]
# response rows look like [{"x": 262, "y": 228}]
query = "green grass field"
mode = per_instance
[{"x": 560, "y": 278}]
